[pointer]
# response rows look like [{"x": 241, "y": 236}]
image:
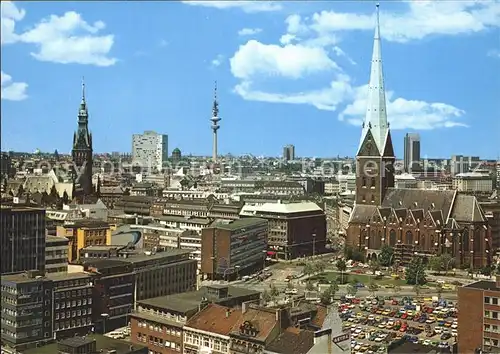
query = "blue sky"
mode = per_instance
[{"x": 287, "y": 72}]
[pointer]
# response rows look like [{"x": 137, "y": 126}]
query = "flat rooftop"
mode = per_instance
[
  {"x": 239, "y": 223},
  {"x": 188, "y": 301},
  {"x": 484, "y": 285},
  {"x": 103, "y": 344}
]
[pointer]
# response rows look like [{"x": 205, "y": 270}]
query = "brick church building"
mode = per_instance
[{"x": 414, "y": 222}]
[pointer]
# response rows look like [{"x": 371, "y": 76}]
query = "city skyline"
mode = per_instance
[{"x": 132, "y": 87}]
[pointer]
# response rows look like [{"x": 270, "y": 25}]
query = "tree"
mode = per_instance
[
  {"x": 326, "y": 297},
  {"x": 334, "y": 288},
  {"x": 448, "y": 261},
  {"x": 274, "y": 291},
  {"x": 266, "y": 297},
  {"x": 353, "y": 254},
  {"x": 309, "y": 286},
  {"x": 308, "y": 269},
  {"x": 320, "y": 266},
  {"x": 342, "y": 267},
  {"x": 417, "y": 288},
  {"x": 487, "y": 270},
  {"x": 374, "y": 266},
  {"x": 373, "y": 287},
  {"x": 53, "y": 192},
  {"x": 386, "y": 255},
  {"x": 415, "y": 272},
  {"x": 20, "y": 190},
  {"x": 436, "y": 264},
  {"x": 351, "y": 289}
]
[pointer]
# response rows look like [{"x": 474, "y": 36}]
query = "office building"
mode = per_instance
[
  {"x": 72, "y": 304},
  {"x": 289, "y": 152},
  {"x": 149, "y": 150},
  {"x": 84, "y": 233},
  {"x": 479, "y": 324},
  {"x": 231, "y": 249},
  {"x": 412, "y": 152},
  {"x": 473, "y": 182},
  {"x": 22, "y": 234},
  {"x": 56, "y": 254},
  {"x": 294, "y": 229},
  {"x": 26, "y": 311},
  {"x": 164, "y": 317},
  {"x": 461, "y": 164},
  {"x": 498, "y": 174}
]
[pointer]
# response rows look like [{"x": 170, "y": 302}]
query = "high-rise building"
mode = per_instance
[
  {"x": 82, "y": 152},
  {"x": 150, "y": 150},
  {"x": 375, "y": 157},
  {"x": 22, "y": 234},
  {"x": 411, "y": 152},
  {"x": 498, "y": 174},
  {"x": 289, "y": 152}
]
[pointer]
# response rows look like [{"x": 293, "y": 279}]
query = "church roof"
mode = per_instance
[{"x": 467, "y": 208}]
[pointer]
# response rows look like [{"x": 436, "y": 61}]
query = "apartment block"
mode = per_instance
[{"x": 150, "y": 150}]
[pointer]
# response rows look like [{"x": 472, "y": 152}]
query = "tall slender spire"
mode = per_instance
[
  {"x": 215, "y": 109},
  {"x": 215, "y": 124},
  {"x": 376, "y": 112},
  {"x": 83, "y": 89}
]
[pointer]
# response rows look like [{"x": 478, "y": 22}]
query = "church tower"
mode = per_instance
[
  {"x": 375, "y": 157},
  {"x": 82, "y": 151}
]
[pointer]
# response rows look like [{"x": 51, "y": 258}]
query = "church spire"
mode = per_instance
[
  {"x": 376, "y": 112},
  {"x": 83, "y": 89}
]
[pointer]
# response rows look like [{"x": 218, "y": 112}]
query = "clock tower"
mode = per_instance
[
  {"x": 375, "y": 157},
  {"x": 82, "y": 152}
]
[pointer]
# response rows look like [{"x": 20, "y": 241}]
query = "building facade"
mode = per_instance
[
  {"x": 84, "y": 233},
  {"x": 473, "y": 182},
  {"x": 411, "y": 152},
  {"x": 235, "y": 248},
  {"x": 294, "y": 229},
  {"x": 82, "y": 152},
  {"x": 150, "y": 150},
  {"x": 479, "y": 326},
  {"x": 56, "y": 254},
  {"x": 22, "y": 235},
  {"x": 26, "y": 310}
]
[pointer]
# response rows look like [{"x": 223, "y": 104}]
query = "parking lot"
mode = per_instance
[{"x": 375, "y": 322}]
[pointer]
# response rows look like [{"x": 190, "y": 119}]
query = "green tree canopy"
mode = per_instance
[
  {"x": 415, "y": 272},
  {"x": 386, "y": 255}
]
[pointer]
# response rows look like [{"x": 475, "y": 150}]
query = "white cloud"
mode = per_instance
[
  {"x": 403, "y": 113},
  {"x": 423, "y": 18},
  {"x": 246, "y": 6},
  {"x": 290, "y": 61},
  {"x": 10, "y": 14},
  {"x": 61, "y": 39},
  {"x": 13, "y": 91},
  {"x": 325, "y": 99},
  {"x": 249, "y": 31},
  {"x": 217, "y": 61}
]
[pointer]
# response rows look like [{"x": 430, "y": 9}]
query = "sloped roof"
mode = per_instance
[
  {"x": 262, "y": 320},
  {"x": 213, "y": 319},
  {"x": 421, "y": 199},
  {"x": 292, "y": 340},
  {"x": 467, "y": 209},
  {"x": 362, "y": 213}
]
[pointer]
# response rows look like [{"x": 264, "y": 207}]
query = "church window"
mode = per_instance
[
  {"x": 409, "y": 237},
  {"x": 363, "y": 198},
  {"x": 364, "y": 182},
  {"x": 392, "y": 238},
  {"x": 373, "y": 181},
  {"x": 373, "y": 198},
  {"x": 423, "y": 242},
  {"x": 465, "y": 241}
]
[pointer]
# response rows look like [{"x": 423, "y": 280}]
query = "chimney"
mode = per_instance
[{"x": 228, "y": 312}]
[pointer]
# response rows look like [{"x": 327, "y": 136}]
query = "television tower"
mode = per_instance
[{"x": 215, "y": 126}]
